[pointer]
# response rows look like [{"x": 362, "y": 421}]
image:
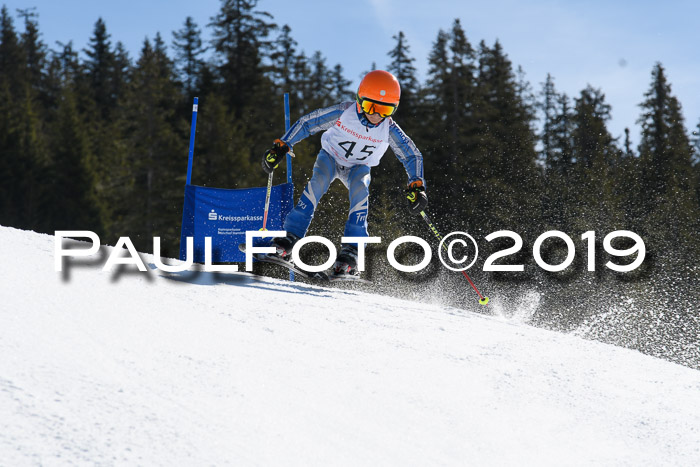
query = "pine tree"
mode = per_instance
[
  {"x": 461, "y": 89},
  {"x": 527, "y": 97},
  {"x": 668, "y": 197},
  {"x": 696, "y": 145},
  {"x": 562, "y": 135},
  {"x": 448, "y": 132},
  {"x": 68, "y": 64},
  {"x": 75, "y": 204},
  {"x": 187, "y": 43},
  {"x": 22, "y": 144},
  {"x": 34, "y": 52},
  {"x": 558, "y": 147},
  {"x": 110, "y": 146},
  {"x": 389, "y": 178},
  {"x": 222, "y": 157},
  {"x": 100, "y": 70},
  {"x": 402, "y": 63},
  {"x": 629, "y": 152},
  {"x": 242, "y": 52},
  {"x": 436, "y": 98},
  {"x": 300, "y": 104},
  {"x": 319, "y": 82},
  {"x": 696, "y": 160},
  {"x": 593, "y": 144},
  {"x": 152, "y": 200},
  {"x": 35, "y": 101},
  {"x": 24, "y": 159},
  {"x": 596, "y": 204},
  {"x": 11, "y": 57},
  {"x": 100, "y": 88},
  {"x": 120, "y": 72},
  {"x": 283, "y": 57},
  {"x": 664, "y": 147},
  {"x": 240, "y": 43},
  {"x": 301, "y": 79},
  {"x": 402, "y": 67},
  {"x": 548, "y": 108},
  {"x": 340, "y": 90},
  {"x": 505, "y": 162}
]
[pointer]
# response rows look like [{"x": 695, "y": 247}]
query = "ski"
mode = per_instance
[
  {"x": 347, "y": 278},
  {"x": 265, "y": 258},
  {"x": 317, "y": 276}
]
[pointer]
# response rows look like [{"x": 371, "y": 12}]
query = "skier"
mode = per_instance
[{"x": 356, "y": 135}]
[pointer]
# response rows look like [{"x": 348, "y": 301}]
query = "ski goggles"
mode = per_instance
[{"x": 370, "y": 107}]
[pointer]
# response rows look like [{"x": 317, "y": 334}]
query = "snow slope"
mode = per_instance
[{"x": 230, "y": 369}]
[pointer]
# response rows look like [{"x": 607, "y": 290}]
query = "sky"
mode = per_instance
[{"x": 611, "y": 45}]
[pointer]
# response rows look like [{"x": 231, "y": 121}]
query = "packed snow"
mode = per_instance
[{"x": 194, "y": 368}]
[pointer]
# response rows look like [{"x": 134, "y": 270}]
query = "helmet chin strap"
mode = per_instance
[{"x": 369, "y": 122}]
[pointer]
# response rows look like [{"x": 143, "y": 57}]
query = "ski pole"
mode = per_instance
[
  {"x": 290, "y": 154},
  {"x": 482, "y": 299},
  {"x": 267, "y": 201}
]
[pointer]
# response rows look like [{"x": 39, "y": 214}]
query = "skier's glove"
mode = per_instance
[
  {"x": 274, "y": 155},
  {"x": 417, "y": 199}
]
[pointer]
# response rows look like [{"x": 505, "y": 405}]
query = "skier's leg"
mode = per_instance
[
  {"x": 298, "y": 220},
  {"x": 357, "y": 180}
]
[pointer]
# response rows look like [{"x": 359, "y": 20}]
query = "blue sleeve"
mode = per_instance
[
  {"x": 312, "y": 123},
  {"x": 406, "y": 152}
]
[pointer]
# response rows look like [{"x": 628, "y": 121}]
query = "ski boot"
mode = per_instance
[
  {"x": 346, "y": 263},
  {"x": 284, "y": 247}
]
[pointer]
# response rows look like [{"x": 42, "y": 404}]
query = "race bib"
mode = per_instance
[{"x": 352, "y": 143}]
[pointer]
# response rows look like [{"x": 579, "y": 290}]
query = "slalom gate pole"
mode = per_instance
[
  {"x": 289, "y": 154},
  {"x": 482, "y": 299},
  {"x": 286, "y": 129},
  {"x": 193, "y": 127}
]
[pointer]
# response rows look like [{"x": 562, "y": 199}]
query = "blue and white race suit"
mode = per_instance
[{"x": 349, "y": 147}]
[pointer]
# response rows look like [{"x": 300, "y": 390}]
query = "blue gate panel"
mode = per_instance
[{"x": 225, "y": 215}]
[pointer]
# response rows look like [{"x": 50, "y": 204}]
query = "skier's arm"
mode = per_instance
[
  {"x": 312, "y": 123},
  {"x": 406, "y": 152}
]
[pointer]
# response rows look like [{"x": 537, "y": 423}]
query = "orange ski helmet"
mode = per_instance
[{"x": 379, "y": 92}]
